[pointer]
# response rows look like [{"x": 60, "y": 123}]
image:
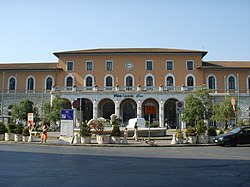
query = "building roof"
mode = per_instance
[
  {"x": 30, "y": 66},
  {"x": 127, "y": 50},
  {"x": 225, "y": 65}
]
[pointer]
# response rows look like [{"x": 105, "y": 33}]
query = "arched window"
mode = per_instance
[
  {"x": 109, "y": 83},
  {"x": 12, "y": 84},
  {"x": 190, "y": 83},
  {"x": 231, "y": 83},
  {"x": 30, "y": 84},
  {"x": 69, "y": 82},
  {"x": 170, "y": 83},
  {"x": 49, "y": 82},
  {"x": 149, "y": 83},
  {"x": 211, "y": 82},
  {"x": 89, "y": 83},
  {"x": 129, "y": 83}
]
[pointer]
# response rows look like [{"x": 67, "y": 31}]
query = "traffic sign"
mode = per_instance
[
  {"x": 150, "y": 110},
  {"x": 76, "y": 104},
  {"x": 179, "y": 106}
]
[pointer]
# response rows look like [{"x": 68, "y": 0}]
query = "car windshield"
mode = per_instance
[{"x": 236, "y": 130}]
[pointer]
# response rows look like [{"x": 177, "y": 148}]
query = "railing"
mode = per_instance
[
  {"x": 144, "y": 89},
  {"x": 58, "y": 89}
]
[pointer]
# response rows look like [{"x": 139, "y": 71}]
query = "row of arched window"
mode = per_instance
[
  {"x": 30, "y": 84},
  {"x": 129, "y": 80}
]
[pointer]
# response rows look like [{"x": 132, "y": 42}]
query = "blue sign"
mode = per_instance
[{"x": 67, "y": 114}]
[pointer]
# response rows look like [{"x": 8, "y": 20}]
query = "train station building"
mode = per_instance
[{"x": 130, "y": 82}]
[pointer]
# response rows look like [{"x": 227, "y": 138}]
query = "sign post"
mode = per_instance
[
  {"x": 67, "y": 124},
  {"x": 150, "y": 110},
  {"x": 179, "y": 110},
  {"x": 30, "y": 118}
]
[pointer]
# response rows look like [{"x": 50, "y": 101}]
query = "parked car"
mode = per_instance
[{"x": 239, "y": 135}]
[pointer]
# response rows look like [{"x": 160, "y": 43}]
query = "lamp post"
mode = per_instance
[{"x": 2, "y": 95}]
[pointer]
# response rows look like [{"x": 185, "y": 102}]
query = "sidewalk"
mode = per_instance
[{"x": 131, "y": 143}]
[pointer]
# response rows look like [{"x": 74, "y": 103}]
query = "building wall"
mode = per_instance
[
  {"x": 98, "y": 96},
  {"x": 139, "y": 72}
]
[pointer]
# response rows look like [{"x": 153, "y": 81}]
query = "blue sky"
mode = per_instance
[{"x": 31, "y": 30}]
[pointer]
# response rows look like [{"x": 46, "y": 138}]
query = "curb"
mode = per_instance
[{"x": 108, "y": 145}]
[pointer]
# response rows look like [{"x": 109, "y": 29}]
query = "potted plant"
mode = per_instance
[
  {"x": 179, "y": 136},
  {"x": 211, "y": 132},
  {"x": 191, "y": 135},
  {"x": 18, "y": 132},
  {"x": 200, "y": 131},
  {"x": 26, "y": 134},
  {"x": 9, "y": 135},
  {"x": 116, "y": 134},
  {"x": 3, "y": 130},
  {"x": 98, "y": 127},
  {"x": 85, "y": 133}
]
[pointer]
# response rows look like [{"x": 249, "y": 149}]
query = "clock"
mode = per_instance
[{"x": 129, "y": 65}]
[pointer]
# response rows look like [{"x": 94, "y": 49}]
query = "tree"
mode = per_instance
[
  {"x": 21, "y": 110},
  {"x": 193, "y": 110},
  {"x": 198, "y": 106},
  {"x": 223, "y": 111},
  {"x": 51, "y": 112}
]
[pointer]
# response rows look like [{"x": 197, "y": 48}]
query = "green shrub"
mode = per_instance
[
  {"x": 3, "y": 128},
  {"x": 85, "y": 130},
  {"x": 115, "y": 131},
  {"x": 19, "y": 129},
  {"x": 211, "y": 131},
  {"x": 200, "y": 128},
  {"x": 11, "y": 127},
  {"x": 179, "y": 134},
  {"x": 26, "y": 131},
  {"x": 190, "y": 131}
]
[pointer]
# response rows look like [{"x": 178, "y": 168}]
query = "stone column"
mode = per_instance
[
  {"x": 95, "y": 109},
  {"x": 117, "y": 108},
  {"x": 161, "y": 113},
  {"x": 139, "y": 113}
]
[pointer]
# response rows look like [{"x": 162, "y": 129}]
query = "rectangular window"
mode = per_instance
[
  {"x": 70, "y": 66},
  {"x": 109, "y": 65},
  {"x": 170, "y": 65},
  {"x": 149, "y": 65},
  {"x": 89, "y": 66},
  {"x": 190, "y": 65}
]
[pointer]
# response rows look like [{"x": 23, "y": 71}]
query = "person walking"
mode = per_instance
[
  {"x": 125, "y": 136},
  {"x": 135, "y": 132},
  {"x": 44, "y": 136},
  {"x": 30, "y": 126}
]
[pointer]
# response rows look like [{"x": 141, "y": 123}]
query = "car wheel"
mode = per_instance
[{"x": 233, "y": 143}]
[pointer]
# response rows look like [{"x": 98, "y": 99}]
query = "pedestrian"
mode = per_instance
[
  {"x": 44, "y": 136},
  {"x": 125, "y": 136},
  {"x": 135, "y": 132},
  {"x": 30, "y": 127}
]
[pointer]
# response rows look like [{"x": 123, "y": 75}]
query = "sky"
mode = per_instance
[{"x": 32, "y": 30}]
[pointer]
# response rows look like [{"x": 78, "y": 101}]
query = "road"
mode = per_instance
[{"x": 47, "y": 165}]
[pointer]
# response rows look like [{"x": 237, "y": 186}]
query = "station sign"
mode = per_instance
[{"x": 150, "y": 110}]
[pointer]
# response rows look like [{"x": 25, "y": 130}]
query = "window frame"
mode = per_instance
[
  {"x": 91, "y": 65},
  {"x": 152, "y": 65},
  {"x": 109, "y": 63},
  {"x": 172, "y": 65},
  {"x": 187, "y": 65},
  {"x": 68, "y": 67}
]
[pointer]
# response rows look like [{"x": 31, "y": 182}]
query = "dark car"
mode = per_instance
[{"x": 239, "y": 135}]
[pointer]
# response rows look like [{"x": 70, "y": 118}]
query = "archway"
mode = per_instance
[
  {"x": 170, "y": 113},
  {"x": 86, "y": 109},
  {"x": 106, "y": 108},
  {"x": 128, "y": 110},
  {"x": 153, "y": 117}
]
